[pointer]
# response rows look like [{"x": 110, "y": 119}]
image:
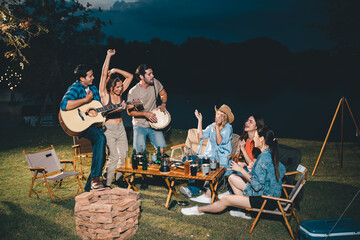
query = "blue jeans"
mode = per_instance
[
  {"x": 139, "y": 139},
  {"x": 98, "y": 142}
]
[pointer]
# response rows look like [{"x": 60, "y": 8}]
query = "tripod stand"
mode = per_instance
[{"x": 341, "y": 103}]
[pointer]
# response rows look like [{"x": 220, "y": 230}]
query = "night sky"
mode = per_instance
[
  {"x": 227, "y": 20},
  {"x": 291, "y": 114}
]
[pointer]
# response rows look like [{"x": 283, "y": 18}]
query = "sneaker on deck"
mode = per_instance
[
  {"x": 186, "y": 192},
  {"x": 239, "y": 213},
  {"x": 201, "y": 199},
  {"x": 191, "y": 211}
]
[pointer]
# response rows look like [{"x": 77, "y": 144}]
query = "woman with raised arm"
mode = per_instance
[
  {"x": 113, "y": 84},
  {"x": 264, "y": 179}
]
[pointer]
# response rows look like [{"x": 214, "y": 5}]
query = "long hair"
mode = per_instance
[
  {"x": 260, "y": 123},
  {"x": 112, "y": 80},
  {"x": 271, "y": 141}
]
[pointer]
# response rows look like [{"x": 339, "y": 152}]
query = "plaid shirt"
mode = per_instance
[{"x": 77, "y": 91}]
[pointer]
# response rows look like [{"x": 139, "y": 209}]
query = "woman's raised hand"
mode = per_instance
[
  {"x": 111, "y": 52},
  {"x": 198, "y": 115}
]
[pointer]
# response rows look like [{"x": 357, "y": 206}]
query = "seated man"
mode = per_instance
[
  {"x": 219, "y": 134},
  {"x": 81, "y": 92}
]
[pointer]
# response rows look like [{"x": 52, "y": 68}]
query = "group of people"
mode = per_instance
[
  {"x": 260, "y": 174},
  {"x": 112, "y": 134}
]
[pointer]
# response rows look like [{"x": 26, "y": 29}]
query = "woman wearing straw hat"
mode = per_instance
[{"x": 219, "y": 146}]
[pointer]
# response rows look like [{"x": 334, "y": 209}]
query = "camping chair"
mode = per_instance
[
  {"x": 82, "y": 150},
  {"x": 192, "y": 145},
  {"x": 46, "y": 167},
  {"x": 286, "y": 204},
  {"x": 290, "y": 157}
]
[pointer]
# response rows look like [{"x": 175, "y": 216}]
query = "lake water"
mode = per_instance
[{"x": 289, "y": 115}]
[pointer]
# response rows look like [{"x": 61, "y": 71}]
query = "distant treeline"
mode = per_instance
[{"x": 260, "y": 66}]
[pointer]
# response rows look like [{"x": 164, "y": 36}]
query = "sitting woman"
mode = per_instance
[
  {"x": 264, "y": 179},
  {"x": 219, "y": 134},
  {"x": 246, "y": 149}
]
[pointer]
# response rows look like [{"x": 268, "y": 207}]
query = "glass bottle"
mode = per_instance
[
  {"x": 158, "y": 156},
  {"x": 134, "y": 161},
  {"x": 187, "y": 167},
  {"x": 144, "y": 161}
]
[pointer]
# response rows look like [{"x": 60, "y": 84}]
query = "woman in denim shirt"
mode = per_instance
[{"x": 264, "y": 179}]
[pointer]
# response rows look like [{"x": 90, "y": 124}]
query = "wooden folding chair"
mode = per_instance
[
  {"x": 82, "y": 150},
  {"x": 286, "y": 204},
  {"x": 46, "y": 167}
]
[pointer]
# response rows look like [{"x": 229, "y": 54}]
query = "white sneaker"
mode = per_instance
[
  {"x": 186, "y": 192},
  {"x": 223, "y": 194},
  {"x": 238, "y": 213},
  {"x": 191, "y": 211},
  {"x": 201, "y": 199}
]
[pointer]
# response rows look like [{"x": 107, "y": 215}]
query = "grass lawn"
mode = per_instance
[{"x": 325, "y": 195}]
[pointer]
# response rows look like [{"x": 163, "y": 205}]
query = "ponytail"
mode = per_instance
[{"x": 272, "y": 142}]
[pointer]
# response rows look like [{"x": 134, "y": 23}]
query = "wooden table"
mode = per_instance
[{"x": 175, "y": 173}]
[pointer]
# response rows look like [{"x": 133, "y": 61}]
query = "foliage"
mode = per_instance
[{"x": 17, "y": 31}]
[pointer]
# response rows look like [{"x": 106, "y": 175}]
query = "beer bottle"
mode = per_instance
[
  {"x": 158, "y": 156},
  {"x": 144, "y": 161},
  {"x": 187, "y": 167},
  {"x": 134, "y": 160},
  {"x": 236, "y": 157}
]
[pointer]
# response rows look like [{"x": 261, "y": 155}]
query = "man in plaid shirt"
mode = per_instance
[{"x": 80, "y": 92}]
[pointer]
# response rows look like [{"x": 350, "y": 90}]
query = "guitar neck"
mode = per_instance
[{"x": 108, "y": 108}]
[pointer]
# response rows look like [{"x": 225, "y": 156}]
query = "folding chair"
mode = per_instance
[
  {"x": 190, "y": 146},
  {"x": 82, "y": 150},
  {"x": 286, "y": 204},
  {"x": 46, "y": 167},
  {"x": 291, "y": 158}
]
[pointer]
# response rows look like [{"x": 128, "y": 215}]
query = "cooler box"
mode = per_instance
[{"x": 346, "y": 228}]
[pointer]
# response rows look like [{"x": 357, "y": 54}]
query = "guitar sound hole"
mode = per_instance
[{"x": 92, "y": 112}]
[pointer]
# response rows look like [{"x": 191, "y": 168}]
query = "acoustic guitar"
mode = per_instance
[{"x": 74, "y": 122}]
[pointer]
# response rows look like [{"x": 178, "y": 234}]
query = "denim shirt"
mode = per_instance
[
  {"x": 77, "y": 91},
  {"x": 223, "y": 149},
  {"x": 263, "y": 178}
]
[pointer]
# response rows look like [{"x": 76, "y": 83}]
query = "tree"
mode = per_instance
[{"x": 72, "y": 30}]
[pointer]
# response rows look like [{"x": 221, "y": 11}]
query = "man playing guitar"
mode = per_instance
[{"x": 81, "y": 92}]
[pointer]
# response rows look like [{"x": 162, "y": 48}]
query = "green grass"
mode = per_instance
[{"x": 326, "y": 194}]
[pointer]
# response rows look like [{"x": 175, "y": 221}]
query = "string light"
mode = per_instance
[{"x": 11, "y": 77}]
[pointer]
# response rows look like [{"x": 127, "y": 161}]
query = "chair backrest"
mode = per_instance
[
  {"x": 291, "y": 158},
  {"x": 192, "y": 142},
  {"x": 44, "y": 159},
  {"x": 298, "y": 186},
  {"x": 84, "y": 145}
]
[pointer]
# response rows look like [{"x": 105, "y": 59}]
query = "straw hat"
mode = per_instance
[{"x": 227, "y": 110}]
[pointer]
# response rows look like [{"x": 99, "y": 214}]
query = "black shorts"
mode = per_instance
[{"x": 257, "y": 201}]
